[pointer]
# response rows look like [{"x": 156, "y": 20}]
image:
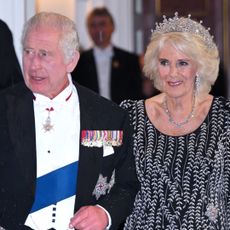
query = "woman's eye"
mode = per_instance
[
  {"x": 164, "y": 62},
  {"x": 182, "y": 63}
]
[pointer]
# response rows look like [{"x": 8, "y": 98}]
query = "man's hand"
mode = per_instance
[{"x": 89, "y": 218}]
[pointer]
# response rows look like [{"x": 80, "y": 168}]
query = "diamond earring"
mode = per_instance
[{"x": 197, "y": 83}]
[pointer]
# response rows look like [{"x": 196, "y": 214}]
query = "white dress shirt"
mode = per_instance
[
  {"x": 56, "y": 148},
  {"x": 103, "y": 65}
]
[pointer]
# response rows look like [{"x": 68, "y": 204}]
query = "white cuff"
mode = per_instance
[{"x": 109, "y": 217}]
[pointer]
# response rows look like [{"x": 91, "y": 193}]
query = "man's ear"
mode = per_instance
[{"x": 71, "y": 64}]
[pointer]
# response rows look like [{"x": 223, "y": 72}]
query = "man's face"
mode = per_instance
[
  {"x": 100, "y": 29},
  {"x": 44, "y": 67}
]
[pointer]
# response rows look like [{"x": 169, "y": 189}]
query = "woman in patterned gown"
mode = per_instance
[{"x": 181, "y": 139}]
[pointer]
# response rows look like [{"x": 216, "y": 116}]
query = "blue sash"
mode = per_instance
[{"x": 55, "y": 186}]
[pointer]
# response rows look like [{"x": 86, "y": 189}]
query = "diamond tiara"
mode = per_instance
[{"x": 181, "y": 24}]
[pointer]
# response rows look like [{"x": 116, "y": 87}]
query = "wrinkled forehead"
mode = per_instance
[
  {"x": 42, "y": 38},
  {"x": 43, "y": 31}
]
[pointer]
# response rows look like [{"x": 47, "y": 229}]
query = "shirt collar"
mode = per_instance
[
  {"x": 108, "y": 51},
  {"x": 60, "y": 98}
]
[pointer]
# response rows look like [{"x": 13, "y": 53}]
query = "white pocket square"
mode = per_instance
[{"x": 107, "y": 150}]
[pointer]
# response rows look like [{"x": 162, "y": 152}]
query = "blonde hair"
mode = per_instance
[{"x": 193, "y": 46}]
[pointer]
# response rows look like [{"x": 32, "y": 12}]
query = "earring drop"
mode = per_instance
[{"x": 197, "y": 82}]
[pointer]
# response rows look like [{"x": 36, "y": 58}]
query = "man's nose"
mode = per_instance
[{"x": 35, "y": 62}]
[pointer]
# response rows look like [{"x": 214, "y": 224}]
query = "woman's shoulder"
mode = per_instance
[
  {"x": 131, "y": 104},
  {"x": 222, "y": 102},
  {"x": 220, "y": 109},
  {"x": 135, "y": 108}
]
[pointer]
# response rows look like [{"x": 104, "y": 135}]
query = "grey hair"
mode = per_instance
[
  {"x": 69, "y": 41},
  {"x": 206, "y": 59}
]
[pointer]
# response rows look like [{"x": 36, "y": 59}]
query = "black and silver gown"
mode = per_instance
[{"x": 185, "y": 180}]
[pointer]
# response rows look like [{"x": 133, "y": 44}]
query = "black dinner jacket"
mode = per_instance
[
  {"x": 18, "y": 157},
  {"x": 125, "y": 76}
]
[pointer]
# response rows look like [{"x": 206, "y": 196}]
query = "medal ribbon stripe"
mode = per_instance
[
  {"x": 55, "y": 186},
  {"x": 101, "y": 137}
]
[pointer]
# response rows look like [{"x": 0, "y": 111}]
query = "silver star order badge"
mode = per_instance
[
  {"x": 101, "y": 187},
  {"x": 47, "y": 126}
]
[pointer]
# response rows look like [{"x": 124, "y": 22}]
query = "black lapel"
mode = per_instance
[
  {"x": 117, "y": 75},
  {"x": 92, "y": 69},
  {"x": 22, "y": 129},
  {"x": 89, "y": 157}
]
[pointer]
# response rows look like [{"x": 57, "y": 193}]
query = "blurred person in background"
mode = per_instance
[{"x": 106, "y": 69}]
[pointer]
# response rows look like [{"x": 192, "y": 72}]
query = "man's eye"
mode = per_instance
[
  {"x": 43, "y": 53},
  {"x": 28, "y": 51}
]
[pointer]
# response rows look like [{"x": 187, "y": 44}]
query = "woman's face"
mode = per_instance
[{"x": 177, "y": 72}]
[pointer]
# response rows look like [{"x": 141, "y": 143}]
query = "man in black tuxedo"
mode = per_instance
[
  {"x": 10, "y": 69},
  {"x": 66, "y": 152},
  {"x": 106, "y": 69}
]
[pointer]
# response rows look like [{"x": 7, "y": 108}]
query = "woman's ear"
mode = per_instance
[{"x": 72, "y": 62}]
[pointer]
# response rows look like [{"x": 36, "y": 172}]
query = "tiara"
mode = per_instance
[{"x": 182, "y": 24}]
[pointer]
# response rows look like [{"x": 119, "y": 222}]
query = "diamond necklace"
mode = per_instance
[{"x": 179, "y": 124}]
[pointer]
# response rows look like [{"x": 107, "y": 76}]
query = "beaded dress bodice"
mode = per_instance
[{"x": 185, "y": 180}]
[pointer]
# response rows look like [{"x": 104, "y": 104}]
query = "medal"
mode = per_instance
[{"x": 47, "y": 126}]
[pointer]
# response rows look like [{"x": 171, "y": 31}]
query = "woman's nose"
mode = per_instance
[{"x": 173, "y": 70}]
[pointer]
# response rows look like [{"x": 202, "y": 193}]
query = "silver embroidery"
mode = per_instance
[
  {"x": 102, "y": 186},
  {"x": 212, "y": 212},
  {"x": 112, "y": 181}
]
